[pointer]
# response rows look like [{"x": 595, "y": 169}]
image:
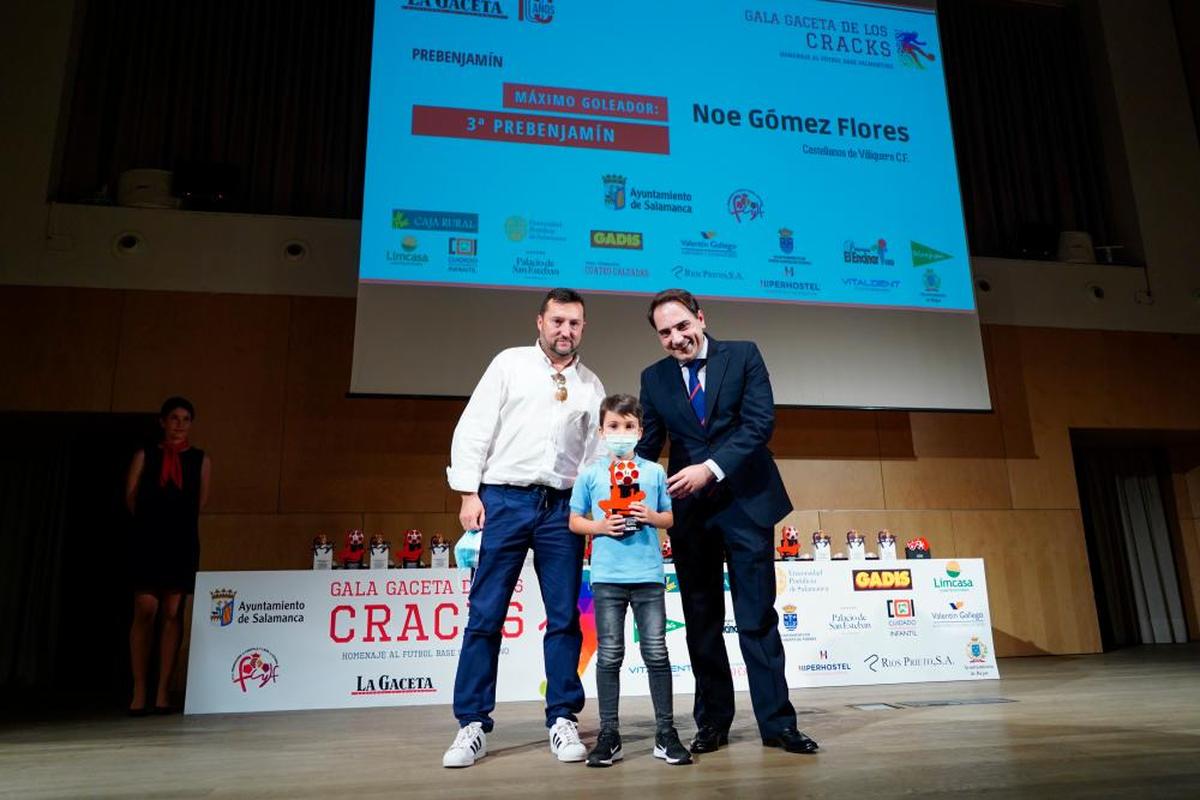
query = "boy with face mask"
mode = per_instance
[{"x": 621, "y": 501}]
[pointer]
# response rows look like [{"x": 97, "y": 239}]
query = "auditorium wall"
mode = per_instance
[
  {"x": 293, "y": 455},
  {"x": 210, "y": 308}
]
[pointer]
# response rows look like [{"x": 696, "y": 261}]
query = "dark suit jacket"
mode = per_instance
[{"x": 740, "y": 410}]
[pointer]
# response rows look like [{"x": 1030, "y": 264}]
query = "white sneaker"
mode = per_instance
[
  {"x": 564, "y": 741},
  {"x": 469, "y": 746}
]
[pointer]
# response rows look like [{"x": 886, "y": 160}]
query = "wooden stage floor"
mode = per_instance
[{"x": 1126, "y": 724}]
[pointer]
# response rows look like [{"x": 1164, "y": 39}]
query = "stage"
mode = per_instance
[{"x": 1122, "y": 724}]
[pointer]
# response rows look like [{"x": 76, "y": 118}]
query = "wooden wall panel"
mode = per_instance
[
  {"x": 58, "y": 348},
  {"x": 366, "y": 454},
  {"x": 945, "y": 435},
  {"x": 832, "y": 484},
  {"x": 1152, "y": 380},
  {"x": 293, "y": 454},
  {"x": 823, "y": 433},
  {"x": 1006, "y": 374},
  {"x": 1039, "y": 583},
  {"x": 267, "y": 541},
  {"x": 1047, "y": 479},
  {"x": 227, "y": 354},
  {"x": 1064, "y": 377},
  {"x": 1189, "y": 579},
  {"x": 946, "y": 483}
]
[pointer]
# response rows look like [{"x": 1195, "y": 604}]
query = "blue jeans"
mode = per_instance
[
  {"x": 650, "y": 614},
  {"x": 515, "y": 519}
]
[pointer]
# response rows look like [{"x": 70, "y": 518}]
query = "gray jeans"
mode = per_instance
[{"x": 650, "y": 614}]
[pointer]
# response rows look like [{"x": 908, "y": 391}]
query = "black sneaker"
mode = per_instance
[
  {"x": 607, "y": 749},
  {"x": 668, "y": 747}
]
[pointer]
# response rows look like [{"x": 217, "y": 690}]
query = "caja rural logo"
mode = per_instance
[{"x": 866, "y": 580}]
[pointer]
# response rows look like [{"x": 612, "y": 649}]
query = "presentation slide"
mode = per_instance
[{"x": 796, "y": 152}]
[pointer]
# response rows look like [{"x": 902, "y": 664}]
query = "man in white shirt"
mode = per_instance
[{"x": 530, "y": 424}]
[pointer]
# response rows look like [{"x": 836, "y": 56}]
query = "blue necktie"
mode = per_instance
[{"x": 695, "y": 390}]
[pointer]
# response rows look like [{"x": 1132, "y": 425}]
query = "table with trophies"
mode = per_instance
[{"x": 371, "y": 625}]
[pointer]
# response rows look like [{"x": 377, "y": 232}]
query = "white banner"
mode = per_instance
[{"x": 275, "y": 641}]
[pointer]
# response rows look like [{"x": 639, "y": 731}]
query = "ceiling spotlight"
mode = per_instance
[
  {"x": 129, "y": 243},
  {"x": 295, "y": 250}
]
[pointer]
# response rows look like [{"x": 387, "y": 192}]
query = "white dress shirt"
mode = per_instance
[
  {"x": 702, "y": 375},
  {"x": 515, "y": 432}
]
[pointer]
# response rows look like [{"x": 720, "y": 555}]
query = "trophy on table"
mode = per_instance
[
  {"x": 354, "y": 552},
  {"x": 439, "y": 552},
  {"x": 410, "y": 554},
  {"x": 887, "y": 545},
  {"x": 667, "y": 556},
  {"x": 821, "y": 546},
  {"x": 789, "y": 544},
  {"x": 379, "y": 551},
  {"x": 918, "y": 548},
  {"x": 322, "y": 552},
  {"x": 856, "y": 545},
  {"x": 624, "y": 491}
]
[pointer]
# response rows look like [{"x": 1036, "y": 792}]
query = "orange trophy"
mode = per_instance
[{"x": 624, "y": 491}]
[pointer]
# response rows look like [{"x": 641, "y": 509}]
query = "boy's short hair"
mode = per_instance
[{"x": 621, "y": 405}]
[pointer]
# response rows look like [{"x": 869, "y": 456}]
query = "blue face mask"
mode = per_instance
[
  {"x": 466, "y": 550},
  {"x": 621, "y": 444}
]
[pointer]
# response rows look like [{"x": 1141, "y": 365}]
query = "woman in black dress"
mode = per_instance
[{"x": 166, "y": 488}]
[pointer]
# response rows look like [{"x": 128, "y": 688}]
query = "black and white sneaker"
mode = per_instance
[
  {"x": 564, "y": 741},
  {"x": 607, "y": 749},
  {"x": 668, "y": 747},
  {"x": 468, "y": 746}
]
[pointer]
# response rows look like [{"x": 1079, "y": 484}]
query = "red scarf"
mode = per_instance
[{"x": 172, "y": 467}]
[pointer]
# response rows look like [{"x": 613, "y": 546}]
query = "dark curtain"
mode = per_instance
[
  {"x": 1030, "y": 157},
  {"x": 65, "y": 595},
  {"x": 276, "y": 90},
  {"x": 34, "y": 472},
  {"x": 1129, "y": 545}
]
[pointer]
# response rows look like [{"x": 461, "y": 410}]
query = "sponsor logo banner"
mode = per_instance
[{"x": 314, "y": 639}]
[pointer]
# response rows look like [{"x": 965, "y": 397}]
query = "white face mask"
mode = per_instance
[{"x": 621, "y": 444}]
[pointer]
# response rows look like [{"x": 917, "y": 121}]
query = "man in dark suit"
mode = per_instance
[{"x": 713, "y": 400}]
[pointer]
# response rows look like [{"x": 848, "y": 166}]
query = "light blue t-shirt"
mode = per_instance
[{"x": 635, "y": 557}]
